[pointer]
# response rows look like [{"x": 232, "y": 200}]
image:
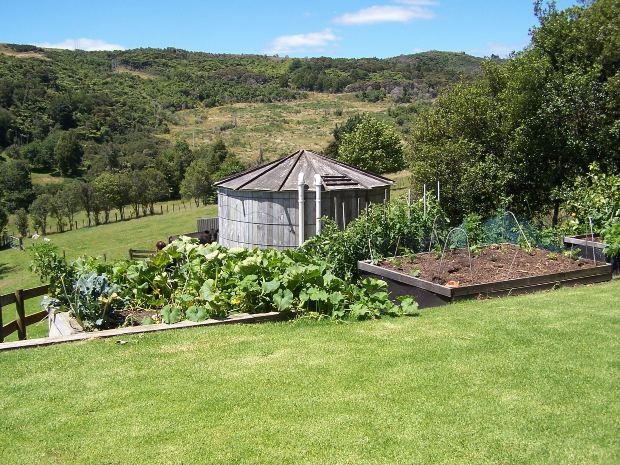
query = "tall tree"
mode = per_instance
[
  {"x": 39, "y": 211},
  {"x": 531, "y": 124},
  {"x": 372, "y": 146},
  {"x": 197, "y": 184},
  {"x": 15, "y": 185},
  {"x": 68, "y": 153}
]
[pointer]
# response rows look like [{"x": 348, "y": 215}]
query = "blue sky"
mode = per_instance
[{"x": 380, "y": 28}]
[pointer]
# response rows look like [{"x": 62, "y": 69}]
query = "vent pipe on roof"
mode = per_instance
[
  {"x": 317, "y": 216},
  {"x": 301, "y": 206}
]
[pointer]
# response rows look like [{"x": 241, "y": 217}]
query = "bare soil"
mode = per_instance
[
  {"x": 492, "y": 264},
  {"x": 135, "y": 316}
]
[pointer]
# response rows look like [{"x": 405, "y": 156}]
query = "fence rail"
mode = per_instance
[{"x": 22, "y": 321}]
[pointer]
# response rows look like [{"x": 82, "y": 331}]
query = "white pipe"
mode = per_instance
[
  {"x": 317, "y": 215},
  {"x": 301, "y": 206}
]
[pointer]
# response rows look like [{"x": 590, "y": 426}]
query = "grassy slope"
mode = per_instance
[
  {"x": 112, "y": 239},
  {"x": 522, "y": 380},
  {"x": 279, "y": 128}
]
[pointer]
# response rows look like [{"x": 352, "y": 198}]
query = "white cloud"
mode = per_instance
[
  {"x": 82, "y": 44},
  {"x": 403, "y": 12},
  {"x": 302, "y": 42}
]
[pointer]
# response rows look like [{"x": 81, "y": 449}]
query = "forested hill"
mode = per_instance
[{"x": 110, "y": 93}]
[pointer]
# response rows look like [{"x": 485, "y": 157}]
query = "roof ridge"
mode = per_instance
[
  {"x": 298, "y": 153},
  {"x": 351, "y": 167}
]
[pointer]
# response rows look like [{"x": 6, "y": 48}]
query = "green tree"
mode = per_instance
[
  {"x": 22, "y": 222},
  {"x": 110, "y": 192},
  {"x": 231, "y": 165},
  {"x": 68, "y": 153},
  {"x": 58, "y": 212},
  {"x": 172, "y": 163},
  {"x": 15, "y": 185},
  {"x": 373, "y": 146},
  {"x": 4, "y": 219},
  {"x": 39, "y": 211},
  {"x": 338, "y": 133},
  {"x": 197, "y": 184},
  {"x": 69, "y": 197},
  {"x": 531, "y": 124},
  {"x": 6, "y": 120}
]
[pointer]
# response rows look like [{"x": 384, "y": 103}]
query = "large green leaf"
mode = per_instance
[
  {"x": 196, "y": 313},
  {"x": 283, "y": 299},
  {"x": 170, "y": 314},
  {"x": 270, "y": 287}
]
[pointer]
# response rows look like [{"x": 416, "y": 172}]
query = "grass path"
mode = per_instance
[{"x": 521, "y": 380}]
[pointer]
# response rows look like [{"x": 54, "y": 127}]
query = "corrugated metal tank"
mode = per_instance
[
  {"x": 270, "y": 219},
  {"x": 260, "y": 207}
]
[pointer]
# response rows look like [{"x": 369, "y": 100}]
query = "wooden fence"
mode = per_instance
[{"x": 22, "y": 321}]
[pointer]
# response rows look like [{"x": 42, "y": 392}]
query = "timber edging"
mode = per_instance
[{"x": 244, "y": 318}]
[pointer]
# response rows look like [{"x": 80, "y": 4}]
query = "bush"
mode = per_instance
[{"x": 596, "y": 196}]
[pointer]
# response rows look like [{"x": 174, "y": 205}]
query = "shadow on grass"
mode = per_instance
[{"x": 5, "y": 268}]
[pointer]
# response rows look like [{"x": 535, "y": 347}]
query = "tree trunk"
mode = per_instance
[{"x": 556, "y": 212}]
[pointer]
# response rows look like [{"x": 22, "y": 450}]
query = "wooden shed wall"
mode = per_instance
[{"x": 270, "y": 219}]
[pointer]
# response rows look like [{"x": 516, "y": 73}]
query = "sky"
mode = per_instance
[{"x": 348, "y": 28}]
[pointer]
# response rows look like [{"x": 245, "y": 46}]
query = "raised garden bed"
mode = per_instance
[
  {"x": 495, "y": 271},
  {"x": 591, "y": 247}
]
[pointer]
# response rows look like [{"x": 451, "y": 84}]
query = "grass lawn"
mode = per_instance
[
  {"x": 112, "y": 239},
  {"x": 520, "y": 380}
]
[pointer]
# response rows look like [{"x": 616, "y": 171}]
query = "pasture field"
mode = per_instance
[
  {"x": 278, "y": 128},
  {"x": 518, "y": 380}
]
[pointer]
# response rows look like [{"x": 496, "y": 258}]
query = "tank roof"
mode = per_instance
[{"x": 282, "y": 175}]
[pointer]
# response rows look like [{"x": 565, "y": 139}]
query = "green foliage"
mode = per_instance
[
  {"x": 4, "y": 219},
  {"x": 595, "y": 196},
  {"x": 51, "y": 267},
  {"x": 39, "y": 211},
  {"x": 93, "y": 300},
  {"x": 68, "y": 153},
  {"x": 529, "y": 124},
  {"x": 339, "y": 132},
  {"x": 611, "y": 236},
  {"x": 197, "y": 184},
  {"x": 22, "y": 222},
  {"x": 15, "y": 185},
  {"x": 191, "y": 281},
  {"x": 386, "y": 230},
  {"x": 473, "y": 226},
  {"x": 373, "y": 146}
]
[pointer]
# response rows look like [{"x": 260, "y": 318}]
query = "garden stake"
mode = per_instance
[{"x": 592, "y": 234}]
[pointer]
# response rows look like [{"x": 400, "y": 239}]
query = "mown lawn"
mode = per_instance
[
  {"x": 113, "y": 240},
  {"x": 521, "y": 380}
]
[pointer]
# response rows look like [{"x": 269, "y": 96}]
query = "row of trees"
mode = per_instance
[{"x": 177, "y": 172}]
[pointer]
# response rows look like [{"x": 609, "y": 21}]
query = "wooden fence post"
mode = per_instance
[
  {"x": 1, "y": 325},
  {"x": 21, "y": 315}
]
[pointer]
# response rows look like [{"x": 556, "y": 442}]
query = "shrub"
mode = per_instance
[{"x": 596, "y": 196}]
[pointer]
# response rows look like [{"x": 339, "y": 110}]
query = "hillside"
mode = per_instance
[
  {"x": 275, "y": 128},
  {"x": 102, "y": 94}
]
